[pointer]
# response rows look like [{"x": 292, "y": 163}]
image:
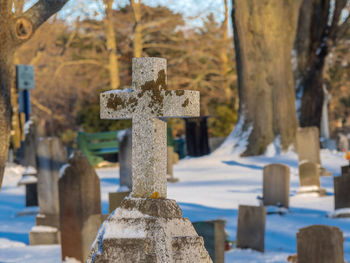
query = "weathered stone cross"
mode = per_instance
[{"x": 146, "y": 103}]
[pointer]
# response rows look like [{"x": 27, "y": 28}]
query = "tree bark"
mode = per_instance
[
  {"x": 264, "y": 32},
  {"x": 137, "y": 41},
  {"x": 315, "y": 37},
  {"x": 15, "y": 31},
  {"x": 111, "y": 45},
  {"x": 224, "y": 55}
]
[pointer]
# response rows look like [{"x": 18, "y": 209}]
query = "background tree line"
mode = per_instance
[{"x": 75, "y": 63}]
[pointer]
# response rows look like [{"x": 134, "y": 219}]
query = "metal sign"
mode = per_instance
[{"x": 25, "y": 77}]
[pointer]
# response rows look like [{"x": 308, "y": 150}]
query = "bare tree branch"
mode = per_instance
[{"x": 43, "y": 10}]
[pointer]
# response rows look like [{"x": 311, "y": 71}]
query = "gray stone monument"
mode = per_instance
[
  {"x": 51, "y": 156},
  {"x": 170, "y": 165},
  {"x": 125, "y": 170},
  {"x": 276, "y": 182},
  {"x": 345, "y": 170},
  {"x": 308, "y": 145},
  {"x": 251, "y": 227},
  {"x": 320, "y": 244},
  {"x": 309, "y": 176},
  {"x": 342, "y": 195},
  {"x": 213, "y": 233},
  {"x": 124, "y": 158},
  {"x": 148, "y": 227},
  {"x": 80, "y": 207}
]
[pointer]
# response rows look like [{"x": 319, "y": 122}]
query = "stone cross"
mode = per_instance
[{"x": 147, "y": 103}]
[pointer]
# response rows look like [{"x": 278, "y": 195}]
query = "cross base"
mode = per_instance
[{"x": 148, "y": 230}]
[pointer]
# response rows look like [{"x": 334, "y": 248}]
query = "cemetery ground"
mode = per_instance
[{"x": 210, "y": 187}]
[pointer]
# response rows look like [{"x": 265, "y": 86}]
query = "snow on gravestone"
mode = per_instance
[
  {"x": 251, "y": 227},
  {"x": 276, "y": 185},
  {"x": 309, "y": 176},
  {"x": 80, "y": 207},
  {"x": 51, "y": 156},
  {"x": 320, "y": 244},
  {"x": 148, "y": 227}
]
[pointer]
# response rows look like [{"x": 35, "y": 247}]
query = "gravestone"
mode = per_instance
[
  {"x": 51, "y": 156},
  {"x": 309, "y": 176},
  {"x": 124, "y": 158},
  {"x": 147, "y": 227},
  {"x": 345, "y": 170},
  {"x": 320, "y": 244},
  {"x": 308, "y": 145},
  {"x": 29, "y": 177},
  {"x": 125, "y": 170},
  {"x": 197, "y": 139},
  {"x": 251, "y": 227},
  {"x": 115, "y": 199},
  {"x": 213, "y": 233},
  {"x": 170, "y": 165},
  {"x": 342, "y": 194},
  {"x": 276, "y": 182},
  {"x": 80, "y": 207},
  {"x": 29, "y": 180}
]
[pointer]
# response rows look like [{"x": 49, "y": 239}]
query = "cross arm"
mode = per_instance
[
  {"x": 117, "y": 104},
  {"x": 181, "y": 103}
]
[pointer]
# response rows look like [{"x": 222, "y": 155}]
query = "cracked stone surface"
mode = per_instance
[
  {"x": 148, "y": 230},
  {"x": 147, "y": 104}
]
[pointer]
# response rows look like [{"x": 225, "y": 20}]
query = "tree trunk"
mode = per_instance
[
  {"x": 316, "y": 35},
  {"x": 264, "y": 32},
  {"x": 15, "y": 31},
  {"x": 6, "y": 76},
  {"x": 137, "y": 42},
  {"x": 111, "y": 46},
  {"x": 224, "y": 55}
]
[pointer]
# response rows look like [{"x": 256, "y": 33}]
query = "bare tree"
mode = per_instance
[
  {"x": 321, "y": 23},
  {"x": 16, "y": 30}
]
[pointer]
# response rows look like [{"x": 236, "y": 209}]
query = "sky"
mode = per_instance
[{"x": 189, "y": 8}]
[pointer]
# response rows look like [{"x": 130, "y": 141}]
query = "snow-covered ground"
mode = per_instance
[{"x": 210, "y": 187}]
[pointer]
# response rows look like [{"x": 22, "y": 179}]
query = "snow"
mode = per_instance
[
  {"x": 30, "y": 170},
  {"x": 71, "y": 260},
  {"x": 45, "y": 229},
  {"x": 28, "y": 179},
  {"x": 340, "y": 212},
  {"x": 123, "y": 188},
  {"x": 62, "y": 170},
  {"x": 210, "y": 187},
  {"x": 27, "y": 126},
  {"x": 236, "y": 142},
  {"x": 121, "y": 134}
]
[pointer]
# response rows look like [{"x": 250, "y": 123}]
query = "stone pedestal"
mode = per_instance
[
  {"x": 44, "y": 235},
  {"x": 148, "y": 230},
  {"x": 309, "y": 175}
]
